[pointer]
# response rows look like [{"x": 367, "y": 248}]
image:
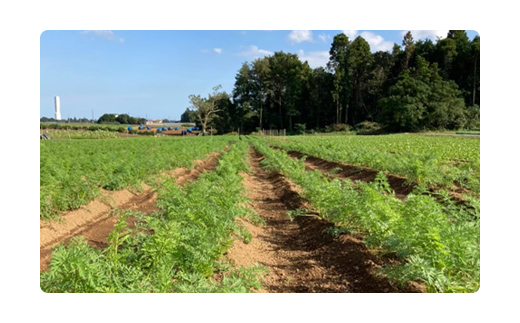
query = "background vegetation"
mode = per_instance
[{"x": 418, "y": 86}]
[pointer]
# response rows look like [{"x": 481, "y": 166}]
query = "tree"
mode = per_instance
[
  {"x": 409, "y": 48},
  {"x": 421, "y": 85},
  {"x": 285, "y": 84},
  {"x": 260, "y": 75},
  {"x": 360, "y": 64},
  {"x": 120, "y": 118},
  {"x": 107, "y": 118},
  {"x": 321, "y": 101},
  {"x": 206, "y": 108},
  {"x": 185, "y": 117},
  {"x": 250, "y": 93},
  {"x": 475, "y": 48},
  {"x": 338, "y": 64},
  {"x": 380, "y": 80},
  {"x": 422, "y": 100}
]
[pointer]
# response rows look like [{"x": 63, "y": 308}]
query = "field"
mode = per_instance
[
  {"x": 104, "y": 131},
  {"x": 394, "y": 213}
]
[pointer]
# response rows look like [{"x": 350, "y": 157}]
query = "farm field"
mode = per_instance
[
  {"x": 263, "y": 215},
  {"x": 73, "y": 172},
  {"x": 440, "y": 162},
  {"x": 103, "y": 131}
]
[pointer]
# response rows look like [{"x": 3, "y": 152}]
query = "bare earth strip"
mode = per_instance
[
  {"x": 93, "y": 220},
  {"x": 364, "y": 174},
  {"x": 299, "y": 255}
]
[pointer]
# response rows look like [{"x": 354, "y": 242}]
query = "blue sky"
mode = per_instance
[{"x": 150, "y": 74}]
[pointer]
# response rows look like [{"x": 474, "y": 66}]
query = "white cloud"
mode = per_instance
[
  {"x": 218, "y": 50},
  {"x": 105, "y": 34},
  {"x": 315, "y": 59},
  {"x": 376, "y": 42},
  {"x": 254, "y": 52},
  {"x": 421, "y": 34},
  {"x": 351, "y": 34},
  {"x": 324, "y": 38},
  {"x": 298, "y": 36}
]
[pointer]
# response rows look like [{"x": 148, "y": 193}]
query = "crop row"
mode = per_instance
[
  {"x": 443, "y": 162},
  {"x": 194, "y": 228},
  {"x": 80, "y": 134},
  {"x": 72, "y": 172},
  {"x": 436, "y": 243}
]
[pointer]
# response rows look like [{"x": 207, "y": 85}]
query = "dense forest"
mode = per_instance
[{"x": 419, "y": 85}]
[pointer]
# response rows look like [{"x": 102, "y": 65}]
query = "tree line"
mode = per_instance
[{"x": 420, "y": 85}]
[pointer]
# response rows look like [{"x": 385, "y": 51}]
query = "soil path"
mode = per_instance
[
  {"x": 357, "y": 173},
  {"x": 354, "y": 173},
  {"x": 299, "y": 255},
  {"x": 93, "y": 221}
]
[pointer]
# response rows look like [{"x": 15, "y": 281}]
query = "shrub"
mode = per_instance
[
  {"x": 299, "y": 128},
  {"x": 473, "y": 116},
  {"x": 368, "y": 128},
  {"x": 340, "y": 127}
]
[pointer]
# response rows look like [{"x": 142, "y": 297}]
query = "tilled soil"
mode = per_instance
[
  {"x": 356, "y": 173},
  {"x": 299, "y": 255},
  {"x": 353, "y": 173},
  {"x": 93, "y": 221}
]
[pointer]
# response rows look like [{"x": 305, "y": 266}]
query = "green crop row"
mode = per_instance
[
  {"x": 73, "y": 171},
  {"x": 436, "y": 244},
  {"x": 440, "y": 161},
  {"x": 84, "y": 127},
  {"x": 80, "y": 134},
  {"x": 194, "y": 228}
]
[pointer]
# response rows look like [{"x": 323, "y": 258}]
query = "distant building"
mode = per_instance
[{"x": 152, "y": 122}]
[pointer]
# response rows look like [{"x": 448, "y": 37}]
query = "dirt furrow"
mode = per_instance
[
  {"x": 93, "y": 221},
  {"x": 299, "y": 254},
  {"x": 357, "y": 173},
  {"x": 354, "y": 173}
]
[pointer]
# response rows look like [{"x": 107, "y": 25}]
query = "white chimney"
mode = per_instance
[{"x": 57, "y": 107}]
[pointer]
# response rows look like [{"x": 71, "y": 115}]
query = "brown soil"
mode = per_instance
[
  {"x": 357, "y": 173},
  {"x": 299, "y": 255},
  {"x": 354, "y": 173},
  {"x": 93, "y": 221}
]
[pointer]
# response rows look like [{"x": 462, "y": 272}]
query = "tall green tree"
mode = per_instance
[
  {"x": 285, "y": 85},
  {"x": 409, "y": 48},
  {"x": 338, "y": 64},
  {"x": 185, "y": 117},
  {"x": 422, "y": 100},
  {"x": 475, "y": 82},
  {"x": 322, "y": 105},
  {"x": 360, "y": 64},
  {"x": 260, "y": 77},
  {"x": 379, "y": 80}
]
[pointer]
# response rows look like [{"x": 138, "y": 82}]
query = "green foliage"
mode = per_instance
[
  {"x": 416, "y": 87},
  {"x": 82, "y": 134},
  {"x": 120, "y": 118},
  {"x": 436, "y": 243},
  {"x": 192, "y": 230},
  {"x": 368, "y": 128},
  {"x": 71, "y": 172},
  {"x": 432, "y": 160},
  {"x": 299, "y": 129},
  {"x": 421, "y": 100}
]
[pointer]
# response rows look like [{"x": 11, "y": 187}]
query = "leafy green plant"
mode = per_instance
[
  {"x": 437, "y": 243},
  {"x": 72, "y": 172},
  {"x": 192, "y": 230}
]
